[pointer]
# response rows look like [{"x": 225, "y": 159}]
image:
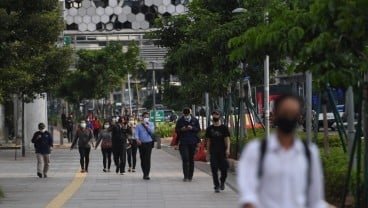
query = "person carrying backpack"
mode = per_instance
[
  {"x": 281, "y": 171},
  {"x": 43, "y": 144},
  {"x": 84, "y": 136}
]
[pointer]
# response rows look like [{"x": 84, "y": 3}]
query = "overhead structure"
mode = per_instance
[{"x": 92, "y": 15}]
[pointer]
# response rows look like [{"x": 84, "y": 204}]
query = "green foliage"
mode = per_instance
[
  {"x": 165, "y": 129},
  {"x": 99, "y": 72},
  {"x": 327, "y": 37},
  {"x": 30, "y": 62}
]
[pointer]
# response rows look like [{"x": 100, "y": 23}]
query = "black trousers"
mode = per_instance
[
  {"x": 69, "y": 134},
  {"x": 84, "y": 157},
  {"x": 145, "y": 150},
  {"x": 120, "y": 159},
  {"x": 219, "y": 162},
  {"x": 106, "y": 155},
  {"x": 132, "y": 154},
  {"x": 187, "y": 152}
]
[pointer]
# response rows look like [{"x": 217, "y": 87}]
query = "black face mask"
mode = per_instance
[
  {"x": 216, "y": 119},
  {"x": 286, "y": 125}
]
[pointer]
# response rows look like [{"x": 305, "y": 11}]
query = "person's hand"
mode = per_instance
[
  {"x": 176, "y": 147},
  {"x": 139, "y": 143},
  {"x": 190, "y": 127},
  {"x": 227, "y": 153},
  {"x": 39, "y": 137},
  {"x": 51, "y": 149}
]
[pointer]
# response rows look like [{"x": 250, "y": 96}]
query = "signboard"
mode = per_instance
[
  {"x": 67, "y": 40},
  {"x": 159, "y": 116}
]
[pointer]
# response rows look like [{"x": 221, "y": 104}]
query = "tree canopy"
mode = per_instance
[
  {"x": 30, "y": 61},
  {"x": 99, "y": 72}
]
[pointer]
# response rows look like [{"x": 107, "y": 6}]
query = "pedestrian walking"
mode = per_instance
[
  {"x": 119, "y": 144},
  {"x": 69, "y": 127},
  {"x": 84, "y": 137},
  {"x": 218, "y": 146},
  {"x": 43, "y": 144},
  {"x": 143, "y": 134},
  {"x": 106, "y": 146},
  {"x": 188, "y": 129},
  {"x": 96, "y": 125},
  {"x": 281, "y": 171},
  {"x": 132, "y": 147},
  {"x": 89, "y": 123}
]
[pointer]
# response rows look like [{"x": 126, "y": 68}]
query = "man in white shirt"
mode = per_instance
[{"x": 282, "y": 171}]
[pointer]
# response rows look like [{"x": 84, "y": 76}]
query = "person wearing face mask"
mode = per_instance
[
  {"x": 118, "y": 145},
  {"x": 106, "y": 146},
  {"x": 218, "y": 145},
  {"x": 143, "y": 132},
  {"x": 281, "y": 171},
  {"x": 83, "y": 136},
  {"x": 187, "y": 128},
  {"x": 43, "y": 144},
  {"x": 132, "y": 147}
]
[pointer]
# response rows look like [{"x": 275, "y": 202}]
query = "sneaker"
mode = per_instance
[
  {"x": 83, "y": 171},
  {"x": 190, "y": 179},
  {"x": 108, "y": 170},
  {"x": 104, "y": 170},
  {"x": 217, "y": 190},
  {"x": 117, "y": 170},
  {"x": 185, "y": 180},
  {"x": 122, "y": 173},
  {"x": 133, "y": 170},
  {"x": 146, "y": 178},
  {"x": 39, "y": 175},
  {"x": 129, "y": 170},
  {"x": 222, "y": 186},
  {"x": 45, "y": 175}
]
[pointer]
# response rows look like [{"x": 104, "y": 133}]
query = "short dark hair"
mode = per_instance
[
  {"x": 279, "y": 100},
  {"x": 145, "y": 113},
  {"x": 41, "y": 126},
  {"x": 186, "y": 111}
]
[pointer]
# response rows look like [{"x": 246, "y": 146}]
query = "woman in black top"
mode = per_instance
[
  {"x": 83, "y": 136},
  {"x": 120, "y": 132},
  {"x": 106, "y": 146}
]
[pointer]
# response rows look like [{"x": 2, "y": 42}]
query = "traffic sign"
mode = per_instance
[
  {"x": 160, "y": 117},
  {"x": 67, "y": 40}
]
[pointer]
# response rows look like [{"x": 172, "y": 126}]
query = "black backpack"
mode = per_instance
[{"x": 263, "y": 148}]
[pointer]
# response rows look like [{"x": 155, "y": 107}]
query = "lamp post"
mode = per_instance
[
  {"x": 154, "y": 90},
  {"x": 266, "y": 81},
  {"x": 130, "y": 95}
]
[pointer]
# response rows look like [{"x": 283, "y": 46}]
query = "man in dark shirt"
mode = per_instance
[
  {"x": 43, "y": 144},
  {"x": 218, "y": 145},
  {"x": 187, "y": 128}
]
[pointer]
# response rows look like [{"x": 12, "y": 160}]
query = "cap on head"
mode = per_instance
[
  {"x": 41, "y": 126},
  {"x": 216, "y": 112},
  {"x": 186, "y": 111}
]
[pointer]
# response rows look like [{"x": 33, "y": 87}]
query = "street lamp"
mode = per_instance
[
  {"x": 266, "y": 81},
  {"x": 154, "y": 90}
]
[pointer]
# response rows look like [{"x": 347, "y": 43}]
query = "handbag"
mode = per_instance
[{"x": 106, "y": 144}]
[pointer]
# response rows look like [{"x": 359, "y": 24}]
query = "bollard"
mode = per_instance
[{"x": 158, "y": 137}]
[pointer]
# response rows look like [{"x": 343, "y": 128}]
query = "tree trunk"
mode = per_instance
[
  {"x": 138, "y": 97},
  {"x": 325, "y": 130},
  {"x": 23, "y": 130}
]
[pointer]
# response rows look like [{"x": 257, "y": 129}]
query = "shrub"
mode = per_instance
[{"x": 165, "y": 129}]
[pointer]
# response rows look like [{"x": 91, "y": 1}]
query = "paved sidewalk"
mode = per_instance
[{"x": 164, "y": 190}]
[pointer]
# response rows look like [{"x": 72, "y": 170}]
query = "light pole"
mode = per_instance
[
  {"x": 154, "y": 91},
  {"x": 266, "y": 80},
  {"x": 130, "y": 95}
]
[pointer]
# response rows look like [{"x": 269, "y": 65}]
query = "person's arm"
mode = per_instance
[
  {"x": 151, "y": 128},
  {"x": 316, "y": 190},
  {"x": 196, "y": 128},
  {"x": 227, "y": 141},
  {"x": 98, "y": 140},
  {"x": 75, "y": 139},
  {"x": 51, "y": 140},
  {"x": 137, "y": 133},
  {"x": 35, "y": 137},
  {"x": 247, "y": 176},
  {"x": 180, "y": 126}
]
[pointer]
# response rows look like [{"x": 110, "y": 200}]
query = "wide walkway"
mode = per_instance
[{"x": 23, "y": 189}]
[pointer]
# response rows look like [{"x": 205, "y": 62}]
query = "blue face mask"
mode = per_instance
[{"x": 188, "y": 118}]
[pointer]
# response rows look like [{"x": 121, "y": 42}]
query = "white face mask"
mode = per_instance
[
  {"x": 131, "y": 122},
  {"x": 146, "y": 120},
  {"x": 188, "y": 118},
  {"x": 106, "y": 126},
  {"x": 83, "y": 125}
]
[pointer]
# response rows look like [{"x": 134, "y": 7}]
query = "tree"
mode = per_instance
[
  {"x": 99, "y": 72},
  {"x": 30, "y": 61}
]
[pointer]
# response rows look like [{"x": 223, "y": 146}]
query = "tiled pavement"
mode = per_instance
[{"x": 164, "y": 190}]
